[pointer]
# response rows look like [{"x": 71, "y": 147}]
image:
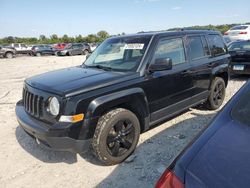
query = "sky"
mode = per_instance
[{"x": 31, "y": 18}]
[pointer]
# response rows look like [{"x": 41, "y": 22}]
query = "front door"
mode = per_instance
[{"x": 169, "y": 91}]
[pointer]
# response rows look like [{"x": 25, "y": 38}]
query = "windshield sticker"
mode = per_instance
[{"x": 134, "y": 46}]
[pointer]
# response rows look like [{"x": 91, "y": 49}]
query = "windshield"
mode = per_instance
[{"x": 119, "y": 54}]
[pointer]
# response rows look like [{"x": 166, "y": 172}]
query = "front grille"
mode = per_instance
[{"x": 33, "y": 104}]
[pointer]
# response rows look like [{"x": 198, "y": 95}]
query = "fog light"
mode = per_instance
[{"x": 72, "y": 119}]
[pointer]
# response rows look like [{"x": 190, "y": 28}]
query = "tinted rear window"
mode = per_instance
[
  {"x": 239, "y": 46},
  {"x": 217, "y": 45},
  {"x": 241, "y": 27},
  {"x": 241, "y": 111},
  {"x": 196, "y": 47}
]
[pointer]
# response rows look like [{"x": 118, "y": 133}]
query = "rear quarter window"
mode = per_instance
[
  {"x": 217, "y": 45},
  {"x": 241, "y": 111}
]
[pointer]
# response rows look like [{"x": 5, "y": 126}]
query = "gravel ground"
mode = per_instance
[{"x": 23, "y": 163}]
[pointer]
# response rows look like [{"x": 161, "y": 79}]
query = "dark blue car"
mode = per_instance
[
  {"x": 220, "y": 157},
  {"x": 40, "y": 50}
]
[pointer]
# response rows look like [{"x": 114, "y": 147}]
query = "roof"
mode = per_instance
[{"x": 165, "y": 33}]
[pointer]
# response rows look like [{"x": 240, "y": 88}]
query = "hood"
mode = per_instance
[
  {"x": 224, "y": 160},
  {"x": 71, "y": 80}
]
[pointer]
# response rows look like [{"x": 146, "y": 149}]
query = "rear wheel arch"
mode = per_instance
[
  {"x": 222, "y": 73},
  {"x": 224, "y": 76}
]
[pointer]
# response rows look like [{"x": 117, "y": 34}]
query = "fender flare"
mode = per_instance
[{"x": 97, "y": 105}]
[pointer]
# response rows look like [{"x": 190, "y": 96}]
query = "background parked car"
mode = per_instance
[
  {"x": 7, "y": 52},
  {"x": 40, "y": 50},
  {"x": 240, "y": 32},
  {"x": 75, "y": 49},
  {"x": 240, "y": 53},
  {"x": 21, "y": 48},
  {"x": 93, "y": 46},
  {"x": 60, "y": 46},
  {"x": 220, "y": 157}
]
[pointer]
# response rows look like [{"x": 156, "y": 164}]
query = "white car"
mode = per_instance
[{"x": 239, "y": 32}]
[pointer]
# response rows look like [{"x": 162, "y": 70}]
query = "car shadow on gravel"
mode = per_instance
[
  {"x": 239, "y": 77},
  {"x": 41, "y": 152},
  {"x": 154, "y": 154}
]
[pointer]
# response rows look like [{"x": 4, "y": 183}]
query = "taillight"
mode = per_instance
[
  {"x": 226, "y": 33},
  {"x": 169, "y": 180},
  {"x": 243, "y": 33}
]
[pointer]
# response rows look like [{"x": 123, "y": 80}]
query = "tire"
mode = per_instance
[
  {"x": 217, "y": 94},
  {"x": 38, "y": 54},
  {"x": 9, "y": 55},
  {"x": 85, "y": 52},
  {"x": 119, "y": 128}
]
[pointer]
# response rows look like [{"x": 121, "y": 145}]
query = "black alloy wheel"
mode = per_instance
[
  {"x": 120, "y": 138},
  {"x": 116, "y": 136},
  {"x": 217, "y": 94}
]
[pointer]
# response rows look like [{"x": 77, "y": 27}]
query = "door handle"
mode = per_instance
[
  {"x": 185, "y": 72},
  {"x": 210, "y": 65}
]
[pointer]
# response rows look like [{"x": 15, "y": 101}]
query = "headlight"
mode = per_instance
[{"x": 54, "y": 106}]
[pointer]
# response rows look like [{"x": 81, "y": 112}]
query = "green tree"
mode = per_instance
[
  {"x": 65, "y": 39},
  {"x": 54, "y": 39},
  {"x": 9, "y": 39},
  {"x": 42, "y": 37},
  {"x": 79, "y": 38},
  {"x": 92, "y": 38},
  {"x": 102, "y": 35}
]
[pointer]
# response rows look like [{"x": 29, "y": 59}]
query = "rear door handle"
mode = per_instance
[
  {"x": 210, "y": 65},
  {"x": 185, "y": 72}
]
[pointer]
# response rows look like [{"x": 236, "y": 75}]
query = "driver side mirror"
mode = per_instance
[{"x": 161, "y": 64}]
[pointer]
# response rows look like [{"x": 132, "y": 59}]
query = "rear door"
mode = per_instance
[
  {"x": 202, "y": 63},
  {"x": 75, "y": 49},
  {"x": 47, "y": 50},
  {"x": 169, "y": 91}
]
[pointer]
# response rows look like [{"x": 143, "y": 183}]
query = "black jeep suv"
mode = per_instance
[{"x": 128, "y": 84}]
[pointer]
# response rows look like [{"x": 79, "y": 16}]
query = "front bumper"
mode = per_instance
[
  {"x": 246, "y": 69},
  {"x": 49, "y": 135}
]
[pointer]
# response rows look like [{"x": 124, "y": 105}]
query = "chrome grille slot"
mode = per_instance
[{"x": 33, "y": 104}]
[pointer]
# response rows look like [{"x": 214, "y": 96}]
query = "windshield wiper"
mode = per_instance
[{"x": 100, "y": 67}]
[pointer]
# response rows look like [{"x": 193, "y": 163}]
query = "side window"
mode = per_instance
[
  {"x": 217, "y": 45},
  {"x": 23, "y": 46},
  {"x": 205, "y": 46},
  {"x": 171, "y": 48},
  {"x": 16, "y": 45},
  {"x": 196, "y": 47}
]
